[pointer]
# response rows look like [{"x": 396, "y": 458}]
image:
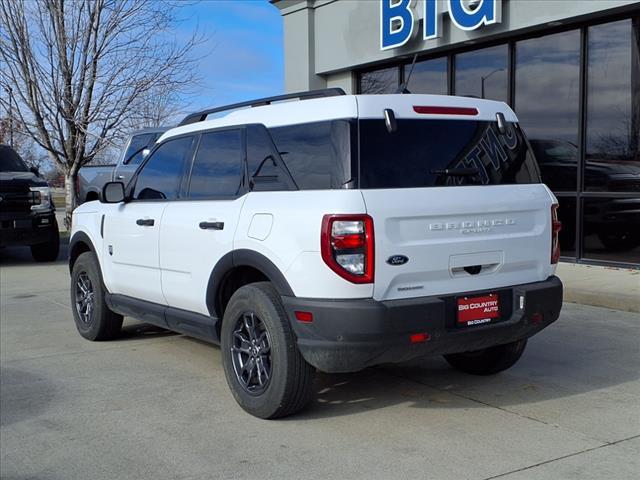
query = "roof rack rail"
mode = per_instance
[{"x": 200, "y": 116}]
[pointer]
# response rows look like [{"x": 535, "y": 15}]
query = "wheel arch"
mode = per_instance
[
  {"x": 79, "y": 244},
  {"x": 238, "y": 268}
]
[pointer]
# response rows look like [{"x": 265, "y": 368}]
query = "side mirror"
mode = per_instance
[
  {"x": 145, "y": 152},
  {"x": 113, "y": 192},
  {"x": 35, "y": 171}
]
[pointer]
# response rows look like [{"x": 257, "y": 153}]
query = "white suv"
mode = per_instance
[{"x": 327, "y": 231}]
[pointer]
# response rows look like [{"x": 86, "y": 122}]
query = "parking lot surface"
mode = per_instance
[{"x": 155, "y": 405}]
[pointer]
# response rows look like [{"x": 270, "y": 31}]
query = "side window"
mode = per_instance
[
  {"x": 160, "y": 177},
  {"x": 318, "y": 155},
  {"x": 217, "y": 167},
  {"x": 137, "y": 143},
  {"x": 262, "y": 160}
]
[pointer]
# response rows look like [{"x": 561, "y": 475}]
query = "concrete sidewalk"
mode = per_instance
[{"x": 609, "y": 287}]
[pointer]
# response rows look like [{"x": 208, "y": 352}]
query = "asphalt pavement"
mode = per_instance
[{"x": 155, "y": 405}]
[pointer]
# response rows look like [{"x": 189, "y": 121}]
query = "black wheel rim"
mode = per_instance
[
  {"x": 251, "y": 353},
  {"x": 85, "y": 298}
]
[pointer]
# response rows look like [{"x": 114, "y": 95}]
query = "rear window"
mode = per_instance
[{"x": 426, "y": 153}]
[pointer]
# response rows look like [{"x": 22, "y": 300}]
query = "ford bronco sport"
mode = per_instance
[{"x": 334, "y": 232}]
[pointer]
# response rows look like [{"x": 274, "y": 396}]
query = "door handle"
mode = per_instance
[
  {"x": 119, "y": 177},
  {"x": 145, "y": 222},
  {"x": 212, "y": 225}
]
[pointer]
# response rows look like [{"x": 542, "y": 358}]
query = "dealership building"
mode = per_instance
[{"x": 569, "y": 68}]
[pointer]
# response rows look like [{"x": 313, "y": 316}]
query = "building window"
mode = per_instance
[
  {"x": 483, "y": 73},
  {"x": 385, "y": 80},
  {"x": 429, "y": 76},
  {"x": 611, "y": 225},
  {"x": 611, "y": 229},
  {"x": 613, "y": 108},
  {"x": 547, "y": 101}
]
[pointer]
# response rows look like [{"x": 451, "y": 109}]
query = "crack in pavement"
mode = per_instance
[{"x": 608, "y": 444}]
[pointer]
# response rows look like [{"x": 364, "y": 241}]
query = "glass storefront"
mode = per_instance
[{"x": 577, "y": 95}]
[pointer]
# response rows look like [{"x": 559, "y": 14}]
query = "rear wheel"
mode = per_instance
[
  {"x": 93, "y": 318},
  {"x": 489, "y": 360},
  {"x": 264, "y": 369}
]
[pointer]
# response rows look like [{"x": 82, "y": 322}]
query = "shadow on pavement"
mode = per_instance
[{"x": 17, "y": 256}]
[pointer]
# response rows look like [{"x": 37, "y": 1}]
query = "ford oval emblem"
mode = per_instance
[{"x": 397, "y": 260}]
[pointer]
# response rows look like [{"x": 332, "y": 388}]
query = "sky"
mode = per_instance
[{"x": 243, "y": 57}]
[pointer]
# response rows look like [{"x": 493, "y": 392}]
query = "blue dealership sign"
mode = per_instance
[{"x": 398, "y": 18}]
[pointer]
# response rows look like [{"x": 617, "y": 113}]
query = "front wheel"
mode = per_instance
[
  {"x": 47, "y": 251},
  {"x": 93, "y": 318},
  {"x": 489, "y": 360},
  {"x": 264, "y": 369}
]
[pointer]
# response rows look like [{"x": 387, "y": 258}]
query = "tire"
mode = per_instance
[
  {"x": 48, "y": 251},
  {"x": 287, "y": 387},
  {"x": 93, "y": 318},
  {"x": 488, "y": 361}
]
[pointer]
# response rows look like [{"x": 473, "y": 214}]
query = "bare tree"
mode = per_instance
[{"x": 79, "y": 71}]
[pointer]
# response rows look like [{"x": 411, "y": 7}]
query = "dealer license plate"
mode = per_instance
[{"x": 478, "y": 310}]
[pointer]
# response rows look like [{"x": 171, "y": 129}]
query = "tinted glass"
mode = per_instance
[
  {"x": 10, "y": 161},
  {"x": 547, "y": 103},
  {"x": 217, "y": 168},
  {"x": 611, "y": 229},
  {"x": 380, "y": 81},
  {"x": 416, "y": 154},
  {"x": 567, "y": 215},
  {"x": 429, "y": 76},
  {"x": 483, "y": 73},
  {"x": 264, "y": 172},
  {"x": 137, "y": 144},
  {"x": 160, "y": 177},
  {"x": 318, "y": 155},
  {"x": 613, "y": 108}
]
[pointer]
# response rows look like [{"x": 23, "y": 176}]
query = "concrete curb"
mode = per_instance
[{"x": 608, "y": 287}]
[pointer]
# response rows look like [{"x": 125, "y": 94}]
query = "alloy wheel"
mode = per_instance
[{"x": 251, "y": 353}]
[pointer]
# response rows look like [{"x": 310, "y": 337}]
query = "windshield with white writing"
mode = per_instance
[{"x": 429, "y": 153}]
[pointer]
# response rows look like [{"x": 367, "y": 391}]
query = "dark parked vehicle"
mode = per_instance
[{"x": 27, "y": 213}]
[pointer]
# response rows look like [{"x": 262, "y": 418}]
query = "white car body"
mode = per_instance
[{"x": 506, "y": 230}]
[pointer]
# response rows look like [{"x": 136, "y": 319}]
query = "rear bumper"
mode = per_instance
[
  {"x": 349, "y": 335},
  {"x": 30, "y": 229}
]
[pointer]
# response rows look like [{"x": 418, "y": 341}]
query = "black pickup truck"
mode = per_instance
[{"x": 27, "y": 213}]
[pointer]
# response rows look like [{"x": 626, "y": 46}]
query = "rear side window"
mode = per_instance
[
  {"x": 161, "y": 176},
  {"x": 318, "y": 155},
  {"x": 217, "y": 167},
  {"x": 266, "y": 172},
  {"x": 426, "y": 153}
]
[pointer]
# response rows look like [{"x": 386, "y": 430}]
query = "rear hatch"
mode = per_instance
[{"x": 457, "y": 206}]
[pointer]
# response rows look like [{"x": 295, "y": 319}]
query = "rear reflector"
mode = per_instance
[
  {"x": 434, "y": 110},
  {"x": 419, "y": 337},
  {"x": 306, "y": 317}
]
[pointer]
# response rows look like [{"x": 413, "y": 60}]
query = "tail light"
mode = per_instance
[
  {"x": 556, "y": 226},
  {"x": 347, "y": 246}
]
